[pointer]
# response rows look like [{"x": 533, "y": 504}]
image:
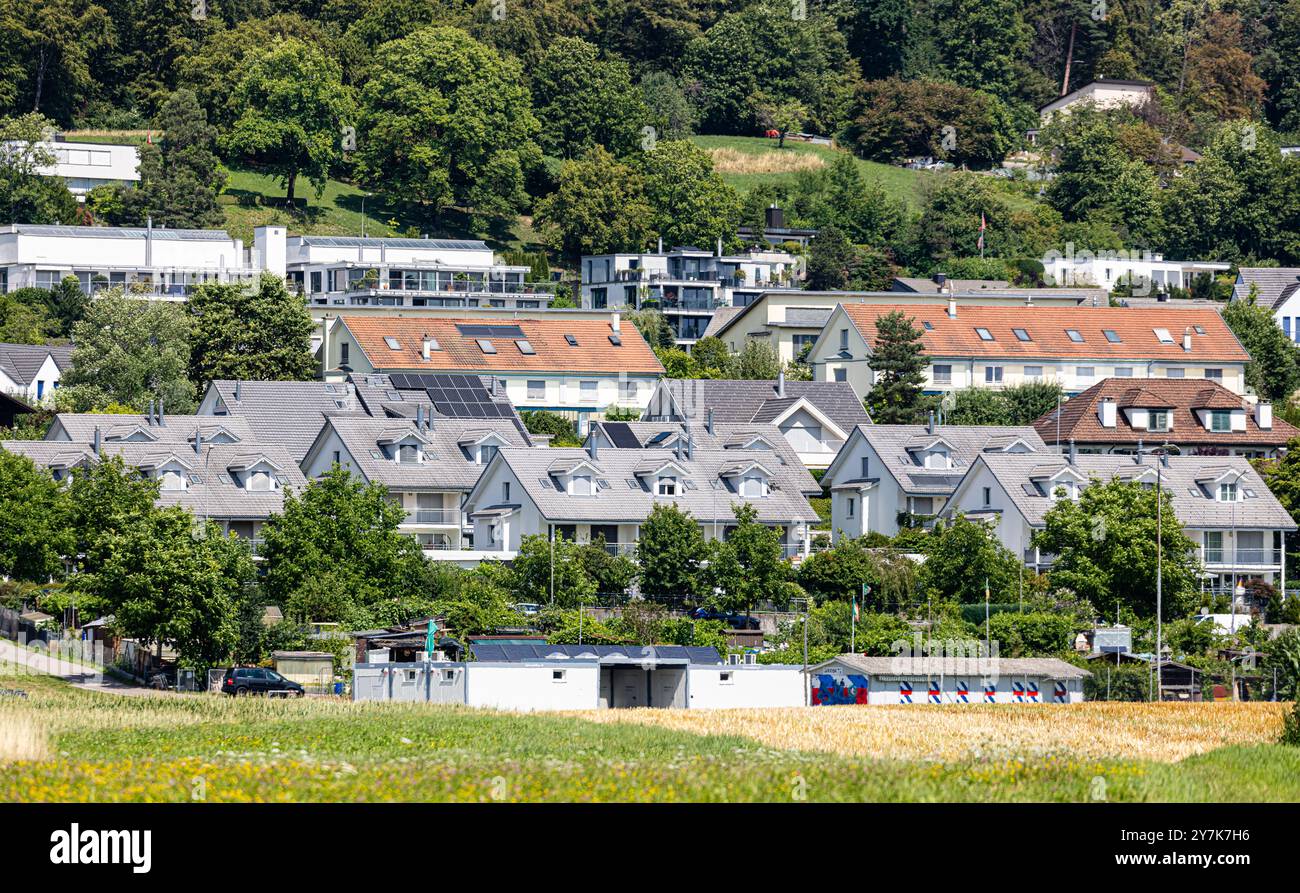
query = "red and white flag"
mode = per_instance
[{"x": 983, "y": 226}]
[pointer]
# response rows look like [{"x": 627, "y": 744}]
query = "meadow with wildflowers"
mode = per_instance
[{"x": 69, "y": 745}]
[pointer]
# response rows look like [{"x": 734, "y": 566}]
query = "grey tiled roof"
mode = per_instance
[
  {"x": 1194, "y": 507},
  {"x": 725, "y": 437},
  {"x": 289, "y": 413},
  {"x": 743, "y": 402},
  {"x": 721, "y": 316},
  {"x": 621, "y": 502},
  {"x": 21, "y": 362},
  {"x": 446, "y": 465},
  {"x": 1272, "y": 284},
  {"x": 79, "y": 427},
  {"x": 966, "y": 443},
  {"x": 211, "y": 496}
]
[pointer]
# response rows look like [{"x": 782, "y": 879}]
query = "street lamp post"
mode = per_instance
[{"x": 1160, "y": 453}]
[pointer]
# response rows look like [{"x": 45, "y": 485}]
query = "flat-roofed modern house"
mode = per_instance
[
  {"x": 1237, "y": 524},
  {"x": 578, "y": 367},
  {"x": 889, "y": 476},
  {"x": 1076, "y": 347},
  {"x": 1278, "y": 289},
  {"x": 352, "y": 271},
  {"x": 687, "y": 284},
  {"x": 1197, "y": 417},
  {"x": 429, "y": 464},
  {"x": 148, "y": 261},
  {"x": 814, "y": 417},
  {"x": 83, "y": 166},
  {"x": 592, "y": 494},
  {"x": 220, "y": 476},
  {"x": 1103, "y": 93},
  {"x": 31, "y": 372},
  {"x": 1147, "y": 272}
]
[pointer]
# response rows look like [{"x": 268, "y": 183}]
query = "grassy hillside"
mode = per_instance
[{"x": 765, "y": 164}]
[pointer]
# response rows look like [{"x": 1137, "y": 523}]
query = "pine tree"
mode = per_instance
[{"x": 898, "y": 359}]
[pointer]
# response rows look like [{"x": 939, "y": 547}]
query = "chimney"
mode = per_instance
[
  {"x": 1264, "y": 416},
  {"x": 930, "y": 427},
  {"x": 708, "y": 421},
  {"x": 614, "y": 322},
  {"x": 238, "y": 390},
  {"x": 198, "y": 443},
  {"x": 98, "y": 440},
  {"x": 148, "y": 414},
  {"x": 690, "y": 446},
  {"x": 419, "y": 418},
  {"x": 1074, "y": 454},
  {"x": 592, "y": 448},
  {"x": 425, "y": 346},
  {"x": 661, "y": 245},
  {"x": 952, "y": 307},
  {"x": 162, "y": 419},
  {"x": 780, "y": 383},
  {"x": 148, "y": 242},
  {"x": 719, "y": 246},
  {"x": 1187, "y": 339},
  {"x": 677, "y": 448},
  {"x": 1106, "y": 413},
  {"x": 1137, "y": 457}
]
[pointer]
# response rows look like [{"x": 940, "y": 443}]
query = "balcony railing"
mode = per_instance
[
  {"x": 1247, "y": 556},
  {"x": 467, "y": 286},
  {"x": 433, "y": 516}
]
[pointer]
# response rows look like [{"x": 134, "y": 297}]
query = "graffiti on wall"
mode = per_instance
[{"x": 848, "y": 689}]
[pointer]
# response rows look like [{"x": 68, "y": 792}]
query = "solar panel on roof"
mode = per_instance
[
  {"x": 620, "y": 433},
  {"x": 490, "y": 331}
]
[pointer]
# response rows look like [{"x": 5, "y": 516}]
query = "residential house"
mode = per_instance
[
  {"x": 889, "y": 476},
  {"x": 31, "y": 372},
  {"x": 814, "y": 417},
  {"x": 1194, "y": 416},
  {"x": 687, "y": 284},
  {"x": 149, "y": 261},
  {"x": 237, "y": 484},
  {"x": 1076, "y": 347},
  {"x": 775, "y": 234},
  {"x": 83, "y": 166},
  {"x": 1237, "y": 524},
  {"x": 428, "y": 464},
  {"x": 791, "y": 320},
  {"x": 1276, "y": 288},
  {"x": 290, "y": 413},
  {"x": 1103, "y": 93},
  {"x": 1146, "y": 273},
  {"x": 592, "y": 494},
  {"x": 351, "y": 271},
  {"x": 578, "y": 367}
]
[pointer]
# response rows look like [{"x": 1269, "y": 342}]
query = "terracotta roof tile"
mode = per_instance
[
  {"x": 552, "y": 352},
  {"x": 1079, "y": 420},
  {"x": 1046, "y": 328}
]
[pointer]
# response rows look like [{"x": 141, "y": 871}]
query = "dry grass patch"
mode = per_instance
[
  {"x": 1162, "y": 732},
  {"x": 21, "y": 738},
  {"x": 733, "y": 161}
]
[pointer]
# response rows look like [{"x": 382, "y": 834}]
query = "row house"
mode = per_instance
[
  {"x": 606, "y": 495},
  {"x": 1190, "y": 416},
  {"x": 1075, "y": 347},
  {"x": 1276, "y": 288},
  {"x": 1237, "y": 524},
  {"x": 890, "y": 476},
  {"x": 31, "y": 372}
]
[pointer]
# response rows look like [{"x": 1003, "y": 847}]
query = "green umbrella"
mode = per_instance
[{"x": 428, "y": 638}]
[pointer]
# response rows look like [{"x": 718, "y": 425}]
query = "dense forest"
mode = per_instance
[{"x": 577, "y": 113}]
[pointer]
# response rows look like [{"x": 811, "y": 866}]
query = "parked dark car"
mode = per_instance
[
  {"x": 735, "y": 621},
  {"x": 241, "y": 681}
]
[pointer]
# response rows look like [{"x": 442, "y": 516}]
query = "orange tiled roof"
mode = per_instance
[
  {"x": 1046, "y": 327},
  {"x": 1181, "y": 396},
  {"x": 594, "y": 351}
]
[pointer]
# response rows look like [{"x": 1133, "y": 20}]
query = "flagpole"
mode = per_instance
[{"x": 987, "y": 639}]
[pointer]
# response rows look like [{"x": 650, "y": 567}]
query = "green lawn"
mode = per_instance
[{"x": 116, "y": 748}]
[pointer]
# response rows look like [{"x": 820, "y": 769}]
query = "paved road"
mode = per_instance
[{"x": 15, "y": 661}]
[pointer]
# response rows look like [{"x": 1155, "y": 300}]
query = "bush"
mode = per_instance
[
  {"x": 542, "y": 421},
  {"x": 1291, "y": 727},
  {"x": 1127, "y": 682}
]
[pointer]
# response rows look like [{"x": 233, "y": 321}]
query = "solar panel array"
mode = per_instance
[
  {"x": 392, "y": 242},
  {"x": 518, "y": 652},
  {"x": 453, "y": 395},
  {"x": 621, "y": 434},
  {"x": 490, "y": 331}
]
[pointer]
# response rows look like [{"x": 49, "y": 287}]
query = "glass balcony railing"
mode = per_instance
[
  {"x": 433, "y": 516},
  {"x": 1244, "y": 557}
]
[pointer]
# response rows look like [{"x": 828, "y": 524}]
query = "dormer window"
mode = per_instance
[
  {"x": 937, "y": 459},
  {"x": 1220, "y": 420},
  {"x": 172, "y": 480},
  {"x": 408, "y": 454},
  {"x": 1158, "y": 420},
  {"x": 582, "y": 485},
  {"x": 753, "y": 486},
  {"x": 260, "y": 482},
  {"x": 1227, "y": 492},
  {"x": 666, "y": 485},
  {"x": 486, "y": 453}
]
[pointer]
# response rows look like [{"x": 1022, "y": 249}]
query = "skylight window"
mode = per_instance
[
  {"x": 1112, "y": 336},
  {"x": 1073, "y": 335},
  {"x": 1022, "y": 334},
  {"x": 393, "y": 343},
  {"x": 985, "y": 334},
  {"x": 525, "y": 348},
  {"x": 1163, "y": 336},
  {"x": 929, "y": 327},
  {"x": 573, "y": 341},
  {"x": 1200, "y": 330},
  {"x": 486, "y": 346},
  {"x": 616, "y": 340}
]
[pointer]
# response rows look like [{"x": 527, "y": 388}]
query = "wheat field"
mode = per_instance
[
  {"x": 733, "y": 161},
  {"x": 1161, "y": 732}
]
